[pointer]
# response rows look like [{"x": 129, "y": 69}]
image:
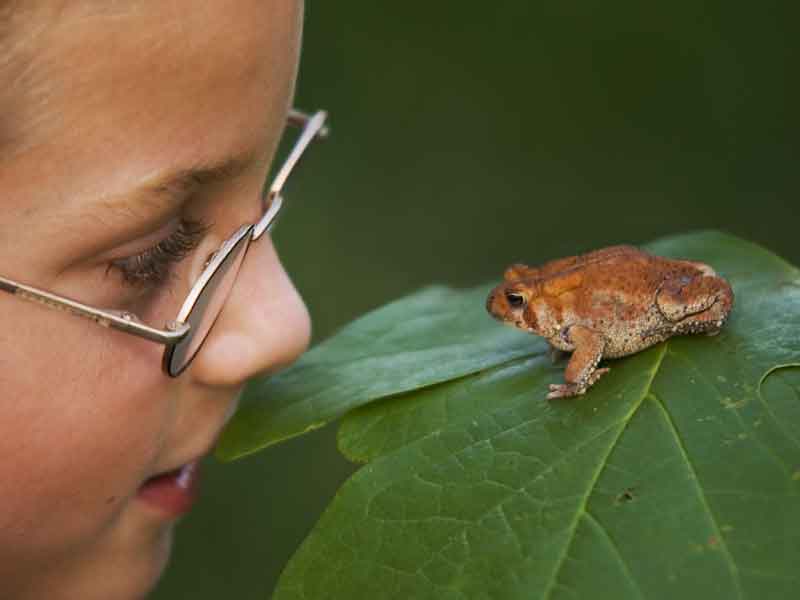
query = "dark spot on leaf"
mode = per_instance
[{"x": 626, "y": 495}]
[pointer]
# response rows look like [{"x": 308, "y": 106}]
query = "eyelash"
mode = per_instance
[{"x": 153, "y": 267}]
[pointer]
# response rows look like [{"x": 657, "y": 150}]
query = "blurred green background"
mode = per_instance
[{"x": 468, "y": 135}]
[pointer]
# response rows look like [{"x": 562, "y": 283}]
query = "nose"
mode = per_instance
[{"x": 263, "y": 327}]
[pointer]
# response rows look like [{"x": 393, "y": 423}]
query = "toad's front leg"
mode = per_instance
[{"x": 581, "y": 371}]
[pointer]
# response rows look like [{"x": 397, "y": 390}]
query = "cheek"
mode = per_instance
[
  {"x": 84, "y": 414},
  {"x": 530, "y": 318}
]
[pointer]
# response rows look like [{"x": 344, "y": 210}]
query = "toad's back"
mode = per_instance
[{"x": 614, "y": 291}]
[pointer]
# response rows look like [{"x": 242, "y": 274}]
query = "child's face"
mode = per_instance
[{"x": 97, "y": 103}]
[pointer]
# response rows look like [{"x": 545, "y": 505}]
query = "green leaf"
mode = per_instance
[
  {"x": 435, "y": 335},
  {"x": 678, "y": 474}
]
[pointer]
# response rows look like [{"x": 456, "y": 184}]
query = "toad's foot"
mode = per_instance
[
  {"x": 567, "y": 390},
  {"x": 581, "y": 371}
]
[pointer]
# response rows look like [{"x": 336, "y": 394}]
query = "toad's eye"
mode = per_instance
[{"x": 515, "y": 300}]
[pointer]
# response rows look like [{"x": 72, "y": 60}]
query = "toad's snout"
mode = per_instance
[
  {"x": 496, "y": 304},
  {"x": 490, "y": 303}
]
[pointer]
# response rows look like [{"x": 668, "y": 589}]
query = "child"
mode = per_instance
[{"x": 135, "y": 138}]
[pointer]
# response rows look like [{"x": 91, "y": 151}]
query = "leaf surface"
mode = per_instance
[
  {"x": 678, "y": 474},
  {"x": 435, "y": 335}
]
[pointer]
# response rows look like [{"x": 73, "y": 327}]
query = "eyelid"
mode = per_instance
[
  {"x": 140, "y": 244},
  {"x": 152, "y": 266}
]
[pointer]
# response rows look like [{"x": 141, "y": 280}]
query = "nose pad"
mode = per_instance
[
  {"x": 202, "y": 257},
  {"x": 209, "y": 258}
]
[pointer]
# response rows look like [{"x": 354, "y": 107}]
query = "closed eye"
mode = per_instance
[{"x": 153, "y": 267}]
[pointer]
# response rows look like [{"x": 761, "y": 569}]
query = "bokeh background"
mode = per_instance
[{"x": 468, "y": 135}]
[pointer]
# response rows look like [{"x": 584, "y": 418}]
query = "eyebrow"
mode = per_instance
[
  {"x": 164, "y": 192},
  {"x": 177, "y": 184}
]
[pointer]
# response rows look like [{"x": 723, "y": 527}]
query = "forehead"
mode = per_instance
[{"x": 117, "y": 91}]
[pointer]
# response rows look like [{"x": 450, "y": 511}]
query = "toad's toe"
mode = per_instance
[{"x": 564, "y": 390}]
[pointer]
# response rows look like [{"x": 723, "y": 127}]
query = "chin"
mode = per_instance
[
  {"x": 140, "y": 574},
  {"x": 127, "y": 570}
]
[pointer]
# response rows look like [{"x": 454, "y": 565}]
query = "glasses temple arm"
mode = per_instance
[
  {"x": 314, "y": 127},
  {"x": 298, "y": 118},
  {"x": 123, "y": 321}
]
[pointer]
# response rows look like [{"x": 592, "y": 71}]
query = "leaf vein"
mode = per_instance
[
  {"x": 733, "y": 567},
  {"x": 766, "y": 575},
  {"x": 601, "y": 467},
  {"x": 597, "y": 525}
]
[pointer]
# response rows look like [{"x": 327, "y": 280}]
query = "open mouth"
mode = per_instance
[{"x": 173, "y": 492}]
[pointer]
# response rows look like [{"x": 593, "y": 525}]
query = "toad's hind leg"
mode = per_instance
[
  {"x": 695, "y": 303},
  {"x": 581, "y": 371}
]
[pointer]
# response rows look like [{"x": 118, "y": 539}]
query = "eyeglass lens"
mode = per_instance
[{"x": 207, "y": 307}]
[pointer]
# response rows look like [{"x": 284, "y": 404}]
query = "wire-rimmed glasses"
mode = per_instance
[{"x": 184, "y": 336}]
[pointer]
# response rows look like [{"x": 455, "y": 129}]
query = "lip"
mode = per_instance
[{"x": 173, "y": 493}]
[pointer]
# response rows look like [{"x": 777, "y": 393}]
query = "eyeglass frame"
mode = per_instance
[{"x": 174, "y": 331}]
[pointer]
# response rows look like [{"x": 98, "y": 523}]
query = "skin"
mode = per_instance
[
  {"x": 101, "y": 102},
  {"x": 609, "y": 303}
]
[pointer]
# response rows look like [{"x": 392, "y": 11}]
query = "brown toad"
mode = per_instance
[{"x": 609, "y": 303}]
